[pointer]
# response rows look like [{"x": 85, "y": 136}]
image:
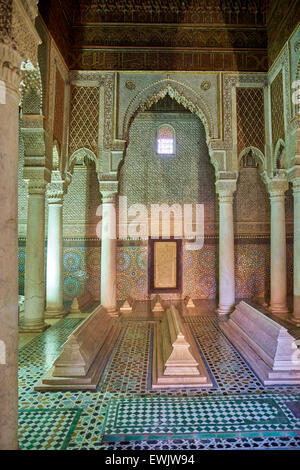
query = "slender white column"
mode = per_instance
[
  {"x": 108, "y": 252},
  {"x": 226, "y": 247},
  {"x": 9, "y": 115},
  {"x": 278, "y": 303},
  {"x": 34, "y": 306},
  {"x": 54, "y": 279},
  {"x": 296, "y": 191}
]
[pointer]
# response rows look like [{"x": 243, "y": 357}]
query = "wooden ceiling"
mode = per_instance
[{"x": 165, "y": 34}]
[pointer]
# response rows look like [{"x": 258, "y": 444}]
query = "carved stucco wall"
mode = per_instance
[
  {"x": 81, "y": 202},
  {"x": 251, "y": 204},
  {"x": 186, "y": 177}
]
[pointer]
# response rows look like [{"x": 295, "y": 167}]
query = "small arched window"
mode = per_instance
[{"x": 165, "y": 144}]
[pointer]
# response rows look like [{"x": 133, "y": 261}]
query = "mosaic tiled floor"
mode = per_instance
[
  {"x": 135, "y": 416},
  {"x": 239, "y": 412},
  {"x": 49, "y": 429}
]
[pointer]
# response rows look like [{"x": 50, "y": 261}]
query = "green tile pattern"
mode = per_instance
[
  {"x": 127, "y": 376},
  {"x": 187, "y": 415},
  {"x": 49, "y": 429}
]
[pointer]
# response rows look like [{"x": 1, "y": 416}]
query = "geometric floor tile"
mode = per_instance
[
  {"x": 48, "y": 429},
  {"x": 155, "y": 416},
  {"x": 254, "y": 443},
  {"x": 238, "y": 413}
]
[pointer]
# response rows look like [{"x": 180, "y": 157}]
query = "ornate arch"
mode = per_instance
[
  {"x": 256, "y": 152},
  {"x": 181, "y": 92},
  {"x": 259, "y": 157},
  {"x": 80, "y": 154}
]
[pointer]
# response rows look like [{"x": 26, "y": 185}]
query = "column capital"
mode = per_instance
[
  {"x": 18, "y": 28},
  {"x": 277, "y": 187},
  {"x": 108, "y": 197},
  {"x": 36, "y": 176},
  {"x": 296, "y": 185},
  {"x": 225, "y": 188},
  {"x": 108, "y": 190},
  {"x": 56, "y": 188},
  {"x": 36, "y": 186}
]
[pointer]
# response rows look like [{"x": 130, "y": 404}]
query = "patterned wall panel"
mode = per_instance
[
  {"x": 252, "y": 270},
  {"x": 132, "y": 272},
  {"x": 250, "y": 118},
  {"x": 186, "y": 177},
  {"x": 81, "y": 203},
  {"x": 81, "y": 268},
  {"x": 277, "y": 109},
  {"x": 58, "y": 124},
  {"x": 200, "y": 272},
  {"x": 251, "y": 204},
  {"x": 84, "y": 118},
  {"x": 21, "y": 263}
]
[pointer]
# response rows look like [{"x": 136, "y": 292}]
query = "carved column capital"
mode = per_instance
[
  {"x": 108, "y": 197},
  {"x": 56, "y": 188},
  {"x": 296, "y": 186},
  {"x": 109, "y": 191},
  {"x": 19, "y": 39},
  {"x": 277, "y": 187},
  {"x": 225, "y": 188},
  {"x": 36, "y": 187},
  {"x": 37, "y": 177}
]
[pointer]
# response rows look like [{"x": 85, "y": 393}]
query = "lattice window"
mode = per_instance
[
  {"x": 277, "y": 109},
  {"x": 165, "y": 140},
  {"x": 84, "y": 118},
  {"x": 250, "y": 118}
]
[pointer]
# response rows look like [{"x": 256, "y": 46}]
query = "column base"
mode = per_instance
[
  {"x": 294, "y": 320},
  {"x": 55, "y": 313},
  {"x": 224, "y": 309},
  {"x": 113, "y": 312},
  {"x": 278, "y": 309},
  {"x": 34, "y": 329}
]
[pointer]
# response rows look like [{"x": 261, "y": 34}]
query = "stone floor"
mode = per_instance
[{"x": 237, "y": 413}]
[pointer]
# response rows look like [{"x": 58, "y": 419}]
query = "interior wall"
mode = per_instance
[{"x": 185, "y": 178}]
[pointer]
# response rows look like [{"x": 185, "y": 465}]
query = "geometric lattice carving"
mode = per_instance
[
  {"x": 59, "y": 107},
  {"x": 250, "y": 118},
  {"x": 277, "y": 109},
  {"x": 84, "y": 118}
]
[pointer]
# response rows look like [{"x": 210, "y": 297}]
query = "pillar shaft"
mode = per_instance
[
  {"x": 108, "y": 253},
  {"x": 9, "y": 115},
  {"x": 296, "y": 193},
  {"x": 278, "y": 253},
  {"x": 54, "y": 279},
  {"x": 226, "y": 254},
  {"x": 34, "y": 306}
]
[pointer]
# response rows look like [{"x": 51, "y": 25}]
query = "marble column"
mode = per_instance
[
  {"x": 108, "y": 252},
  {"x": 225, "y": 190},
  {"x": 296, "y": 311},
  {"x": 34, "y": 305},
  {"x": 9, "y": 123},
  {"x": 54, "y": 276},
  {"x": 277, "y": 188}
]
